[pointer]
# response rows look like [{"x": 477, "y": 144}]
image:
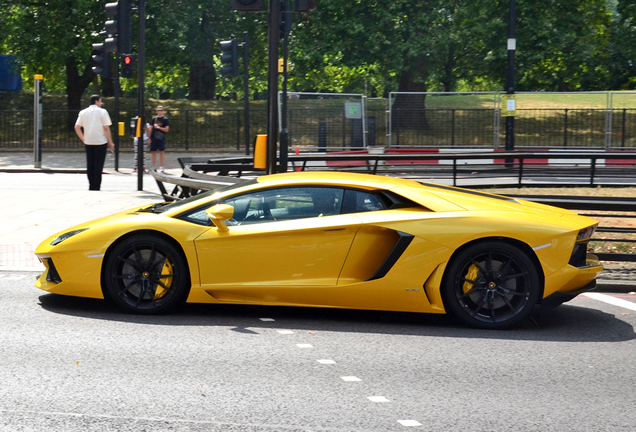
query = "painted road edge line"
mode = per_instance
[{"x": 612, "y": 300}]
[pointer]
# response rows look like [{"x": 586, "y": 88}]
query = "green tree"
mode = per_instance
[
  {"x": 55, "y": 39},
  {"x": 563, "y": 44},
  {"x": 623, "y": 46}
]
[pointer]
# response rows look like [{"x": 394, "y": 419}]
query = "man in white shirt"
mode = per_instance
[{"x": 93, "y": 129}]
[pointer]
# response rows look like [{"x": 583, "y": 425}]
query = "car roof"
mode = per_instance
[{"x": 335, "y": 178}]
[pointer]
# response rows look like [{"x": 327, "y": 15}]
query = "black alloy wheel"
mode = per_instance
[
  {"x": 146, "y": 274},
  {"x": 492, "y": 285}
]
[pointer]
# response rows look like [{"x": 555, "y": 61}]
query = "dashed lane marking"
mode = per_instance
[
  {"x": 350, "y": 379},
  {"x": 409, "y": 423},
  {"x": 378, "y": 399},
  {"x": 612, "y": 300}
]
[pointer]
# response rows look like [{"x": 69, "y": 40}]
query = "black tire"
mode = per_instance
[
  {"x": 146, "y": 274},
  {"x": 491, "y": 285}
]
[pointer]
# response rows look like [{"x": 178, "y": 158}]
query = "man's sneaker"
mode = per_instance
[{"x": 160, "y": 169}]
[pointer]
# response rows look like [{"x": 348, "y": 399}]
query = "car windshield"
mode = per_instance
[{"x": 162, "y": 207}]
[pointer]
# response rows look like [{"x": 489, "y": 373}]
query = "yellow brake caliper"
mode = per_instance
[
  {"x": 166, "y": 281},
  {"x": 471, "y": 274}
]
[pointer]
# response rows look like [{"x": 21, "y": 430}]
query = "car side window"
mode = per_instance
[
  {"x": 293, "y": 203},
  {"x": 356, "y": 201},
  {"x": 285, "y": 204}
]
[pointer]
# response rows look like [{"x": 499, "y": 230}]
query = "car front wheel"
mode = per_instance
[
  {"x": 491, "y": 285},
  {"x": 146, "y": 274}
]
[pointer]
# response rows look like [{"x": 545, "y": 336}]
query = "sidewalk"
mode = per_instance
[{"x": 41, "y": 202}]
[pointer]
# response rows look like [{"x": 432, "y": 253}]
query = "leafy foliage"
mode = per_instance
[{"x": 362, "y": 46}]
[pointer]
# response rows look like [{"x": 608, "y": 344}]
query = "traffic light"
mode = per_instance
[
  {"x": 229, "y": 57},
  {"x": 127, "y": 65},
  {"x": 118, "y": 27},
  {"x": 101, "y": 60},
  {"x": 246, "y": 5},
  {"x": 286, "y": 17}
]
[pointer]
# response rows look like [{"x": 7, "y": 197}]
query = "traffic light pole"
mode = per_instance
[
  {"x": 272, "y": 85},
  {"x": 37, "y": 121},
  {"x": 116, "y": 112},
  {"x": 246, "y": 91},
  {"x": 284, "y": 135},
  {"x": 141, "y": 70}
]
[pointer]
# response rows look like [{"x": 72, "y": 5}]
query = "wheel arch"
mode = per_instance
[
  {"x": 513, "y": 242},
  {"x": 160, "y": 234}
]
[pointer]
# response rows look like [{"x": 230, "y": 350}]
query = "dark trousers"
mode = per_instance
[{"x": 95, "y": 157}]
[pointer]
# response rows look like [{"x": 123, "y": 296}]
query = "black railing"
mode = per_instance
[
  {"x": 472, "y": 169},
  {"x": 328, "y": 128},
  {"x": 195, "y": 180}
]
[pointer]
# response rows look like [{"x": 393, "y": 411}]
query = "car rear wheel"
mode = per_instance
[
  {"x": 491, "y": 285},
  {"x": 146, "y": 274}
]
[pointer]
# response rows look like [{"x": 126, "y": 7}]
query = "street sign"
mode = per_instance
[{"x": 353, "y": 110}]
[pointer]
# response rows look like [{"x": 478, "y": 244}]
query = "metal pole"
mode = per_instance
[
  {"x": 141, "y": 66},
  {"x": 246, "y": 90},
  {"x": 37, "y": 121},
  {"x": 284, "y": 135},
  {"x": 117, "y": 91},
  {"x": 272, "y": 85},
  {"x": 510, "y": 75},
  {"x": 565, "y": 129}
]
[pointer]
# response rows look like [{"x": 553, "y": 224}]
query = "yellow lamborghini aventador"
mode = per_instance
[{"x": 330, "y": 239}]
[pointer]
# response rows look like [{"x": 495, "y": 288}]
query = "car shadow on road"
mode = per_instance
[{"x": 566, "y": 323}]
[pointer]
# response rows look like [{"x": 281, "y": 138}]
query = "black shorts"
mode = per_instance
[{"x": 157, "y": 145}]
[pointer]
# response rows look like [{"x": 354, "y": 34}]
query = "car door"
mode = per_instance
[{"x": 280, "y": 243}]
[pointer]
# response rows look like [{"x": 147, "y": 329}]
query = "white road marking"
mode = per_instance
[
  {"x": 378, "y": 399},
  {"x": 285, "y": 332},
  {"x": 326, "y": 361},
  {"x": 267, "y": 319},
  {"x": 19, "y": 277},
  {"x": 409, "y": 423},
  {"x": 304, "y": 345},
  {"x": 612, "y": 300},
  {"x": 350, "y": 378}
]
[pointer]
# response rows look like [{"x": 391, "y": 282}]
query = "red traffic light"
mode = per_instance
[{"x": 127, "y": 65}]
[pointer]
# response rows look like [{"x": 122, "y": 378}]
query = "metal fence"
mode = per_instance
[{"x": 326, "y": 122}]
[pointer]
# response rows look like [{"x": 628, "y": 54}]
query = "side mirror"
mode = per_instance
[{"x": 220, "y": 213}]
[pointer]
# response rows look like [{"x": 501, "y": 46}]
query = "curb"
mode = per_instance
[
  {"x": 615, "y": 286},
  {"x": 23, "y": 170}
]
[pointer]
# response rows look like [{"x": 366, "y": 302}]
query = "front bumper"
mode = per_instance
[{"x": 74, "y": 273}]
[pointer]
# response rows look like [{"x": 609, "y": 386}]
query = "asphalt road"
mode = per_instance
[{"x": 69, "y": 364}]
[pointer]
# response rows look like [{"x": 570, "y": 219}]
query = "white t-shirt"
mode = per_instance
[{"x": 93, "y": 119}]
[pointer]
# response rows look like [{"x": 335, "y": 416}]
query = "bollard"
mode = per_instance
[{"x": 260, "y": 152}]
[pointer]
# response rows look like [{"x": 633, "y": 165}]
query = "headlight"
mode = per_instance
[
  {"x": 59, "y": 239},
  {"x": 586, "y": 233}
]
